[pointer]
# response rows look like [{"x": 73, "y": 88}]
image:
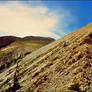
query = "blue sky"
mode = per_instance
[
  {"x": 47, "y": 18},
  {"x": 80, "y": 10}
]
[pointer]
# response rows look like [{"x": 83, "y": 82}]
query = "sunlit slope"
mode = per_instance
[{"x": 65, "y": 64}]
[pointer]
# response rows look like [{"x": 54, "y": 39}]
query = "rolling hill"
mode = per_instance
[
  {"x": 13, "y": 49},
  {"x": 65, "y": 65}
]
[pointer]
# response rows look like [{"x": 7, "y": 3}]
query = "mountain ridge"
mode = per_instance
[{"x": 6, "y": 40}]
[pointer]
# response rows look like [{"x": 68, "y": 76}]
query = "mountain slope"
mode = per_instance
[
  {"x": 6, "y": 40},
  {"x": 13, "y": 49},
  {"x": 65, "y": 64}
]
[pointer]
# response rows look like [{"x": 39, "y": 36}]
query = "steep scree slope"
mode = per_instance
[{"x": 63, "y": 64}]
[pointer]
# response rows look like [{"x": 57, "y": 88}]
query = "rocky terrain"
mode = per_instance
[{"x": 65, "y": 65}]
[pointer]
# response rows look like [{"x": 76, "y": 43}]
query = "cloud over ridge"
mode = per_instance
[{"x": 20, "y": 20}]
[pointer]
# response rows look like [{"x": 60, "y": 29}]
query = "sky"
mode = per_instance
[{"x": 43, "y": 18}]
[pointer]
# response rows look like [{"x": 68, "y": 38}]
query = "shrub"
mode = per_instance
[
  {"x": 16, "y": 85},
  {"x": 75, "y": 87}
]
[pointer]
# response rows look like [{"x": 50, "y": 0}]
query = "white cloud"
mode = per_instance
[
  {"x": 33, "y": 19},
  {"x": 20, "y": 20}
]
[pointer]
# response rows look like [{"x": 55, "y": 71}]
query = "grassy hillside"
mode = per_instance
[
  {"x": 62, "y": 66},
  {"x": 18, "y": 49}
]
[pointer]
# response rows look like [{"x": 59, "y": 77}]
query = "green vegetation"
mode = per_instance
[
  {"x": 5, "y": 53},
  {"x": 18, "y": 50}
]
